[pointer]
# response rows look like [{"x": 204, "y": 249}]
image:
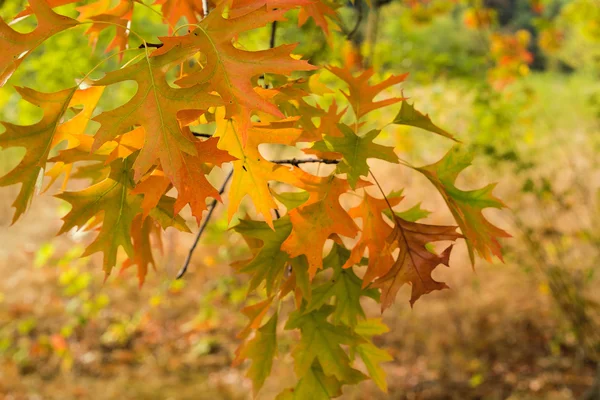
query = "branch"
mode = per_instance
[
  {"x": 295, "y": 161},
  {"x": 273, "y": 34},
  {"x": 211, "y": 209},
  {"x": 156, "y": 45},
  {"x": 359, "y": 18},
  {"x": 206, "y": 135}
]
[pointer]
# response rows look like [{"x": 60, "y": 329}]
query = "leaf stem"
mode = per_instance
[
  {"x": 383, "y": 193},
  {"x": 211, "y": 209}
]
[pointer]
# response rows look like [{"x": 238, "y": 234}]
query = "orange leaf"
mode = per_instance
[
  {"x": 317, "y": 219},
  {"x": 16, "y": 46},
  {"x": 229, "y": 70},
  {"x": 375, "y": 228},
  {"x": 251, "y": 172},
  {"x": 37, "y": 139},
  {"x": 415, "y": 262},
  {"x": 361, "y": 93}
]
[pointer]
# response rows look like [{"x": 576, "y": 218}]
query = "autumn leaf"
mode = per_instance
[
  {"x": 356, "y": 150},
  {"x": 467, "y": 206},
  {"x": 174, "y": 10},
  {"x": 251, "y": 172},
  {"x": 409, "y": 116},
  {"x": 322, "y": 341},
  {"x": 118, "y": 17},
  {"x": 229, "y": 70},
  {"x": 269, "y": 262},
  {"x": 141, "y": 229},
  {"x": 255, "y": 314},
  {"x": 261, "y": 349},
  {"x": 321, "y": 216},
  {"x": 345, "y": 286},
  {"x": 371, "y": 355},
  {"x": 112, "y": 199},
  {"x": 154, "y": 107},
  {"x": 16, "y": 46},
  {"x": 319, "y": 11},
  {"x": 39, "y": 139},
  {"x": 415, "y": 262},
  {"x": 314, "y": 385},
  {"x": 375, "y": 230},
  {"x": 291, "y": 200},
  {"x": 361, "y": 94}
]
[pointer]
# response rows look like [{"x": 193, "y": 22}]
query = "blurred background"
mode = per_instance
[{"x": 518, "y": 81}]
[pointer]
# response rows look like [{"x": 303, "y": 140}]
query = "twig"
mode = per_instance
[
  {"x": 211, "y": 209},
  {"x": 273, "y": 34},
  {"x": 295, "y": 161},
  {"x": 206, "y": 135},
  {"x": 156, "y": 45},
  {"x": 359, "y": 18}
]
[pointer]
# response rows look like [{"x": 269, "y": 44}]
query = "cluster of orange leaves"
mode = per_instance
[{"x": 147, "y": 147}]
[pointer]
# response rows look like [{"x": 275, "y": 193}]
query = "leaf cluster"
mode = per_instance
[{"x": 147, "y": 161}]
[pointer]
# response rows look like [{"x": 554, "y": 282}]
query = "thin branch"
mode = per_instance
[
  {"x": 156, "y": 45},
  {"x": 205, "y": 135},
  {"x": 359, "y": 19},
  {"x": 295, "y": 161},
  {"x": 211, "y": 209},
  {"x": 273, "y": 34}
]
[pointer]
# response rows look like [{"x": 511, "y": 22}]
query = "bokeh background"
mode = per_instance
[{"x": 518, "y": 81}]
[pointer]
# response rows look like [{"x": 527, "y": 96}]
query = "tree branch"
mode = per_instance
[
  {"x": 295, "y": 161},
  {"x": 205, "y": 135},
  {"x": 211, "y": 209},
  {"x": 273, "y": 34},
  {"x": 156, "y": 45}
]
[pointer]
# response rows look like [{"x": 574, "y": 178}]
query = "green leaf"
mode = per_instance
[
  {"x": 371, "y": 327},
  {"x": 322, "y": 341},
  {"x": 409, "y": 116},
  {"x": 370, "y": 354},
  {"x": 261, "y": 349},
  {"x": 467, "y": 206},
  {"x": 345, "y": 286},
  {"x": 300, "y": 269},
  {"x": 291, "y": 200},
  {"x": 372, "y": 357},
  {"x": 316, "y": 385},
  {"x": 356, "y": 150},
  {"x": 113, "y": 198},
  {"x": 269, "y": 262}
]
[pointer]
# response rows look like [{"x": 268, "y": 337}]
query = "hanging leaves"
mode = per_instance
[
  {"x": 204, "y": 101},
  {"x": 467, "y": 206}
]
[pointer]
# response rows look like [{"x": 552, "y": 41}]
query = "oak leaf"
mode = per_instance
[
  {"x": 16, "y": 46},
  {"x": 154, "y": 107},
  {"x": 111, "y": 198},
  {"x": 375, "y": 229},
  {"x": 415, "y": 262},
  {"x": 361, "y": 94},
  {"x": 321, "y": 216},
  {"x": 229, "y": 70},
  {"x": 356, "y": 150},
  {"x": 39, "y": 139},
  {"x": 261, "y": 349},
  {"x": 467, "y": 206},
  {"x": 322, "y": 341},
  {"x": 371, "y": 355},
  {"x": 409, "y": 116},
  {"x": 251, "y": 172},
  {"x": 269, "y": 262}
]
